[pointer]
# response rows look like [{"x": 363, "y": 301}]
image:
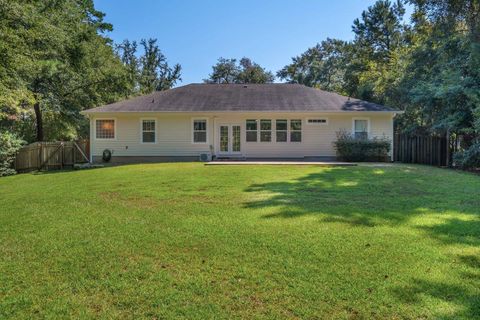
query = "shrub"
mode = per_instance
[
  {"x": 468, "y": 159},
  {"x": 9, "y": 145},
  {"x": 350, "y": 148}
]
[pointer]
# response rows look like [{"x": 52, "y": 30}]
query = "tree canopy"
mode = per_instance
[
  {"x": 321, "y": 66},
  {"x": 55, "y": 61},
  {"x": 245, "y": 71},
  {"x": 428, "y": 65},
  {"x": 150, "y": 70}
]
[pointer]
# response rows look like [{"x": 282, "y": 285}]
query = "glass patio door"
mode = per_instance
[{"x": 229, "y": 139}]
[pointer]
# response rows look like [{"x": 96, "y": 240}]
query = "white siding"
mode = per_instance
[{"x": 174, "y": 133}]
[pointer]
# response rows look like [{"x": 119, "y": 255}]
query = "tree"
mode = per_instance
[
  {"x": 443, "y": 77},
  {"x": 364, "y": 68},
  {"x": 225, "y": 71},
  {"x": 375, "y": 51},
  {"x": 247, "y": 71},
  {"x": 322, "y": 66},
  {"x": 149, "y": 72},
  {"x": 452, "y": 16},
  {"x": 55, "y": 62},
  {"x": 156, "y": 74},
  {"x": 251, "y": 72},
  {"x": 127, "y": 51},
  {"x": 430, "y": 68},
  {"x": 379, "y": 31}
]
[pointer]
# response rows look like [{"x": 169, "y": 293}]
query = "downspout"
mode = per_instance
[
  {"x": 91, "y": 138},
  {"x": 214, "y": 144},
  {"x": 392, "y": 157}
]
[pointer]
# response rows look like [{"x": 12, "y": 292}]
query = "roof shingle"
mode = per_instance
[{"x": 276, "y": 97}]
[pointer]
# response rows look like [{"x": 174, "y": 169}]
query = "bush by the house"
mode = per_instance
[
  {"x": 468, "y": 159},
  {"x": 350, "y": 148},
  {"x": 9, "y": 145}
]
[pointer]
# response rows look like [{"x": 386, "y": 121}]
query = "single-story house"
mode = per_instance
[{"x": 232, "y": 120}]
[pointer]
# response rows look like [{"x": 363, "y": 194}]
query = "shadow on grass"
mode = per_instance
[
  {"x": 347, "y": 195},
  {"x": 466, "y": 302},
  {"x": 376, "y": 197},
  {"x": 364, "y": 197}
]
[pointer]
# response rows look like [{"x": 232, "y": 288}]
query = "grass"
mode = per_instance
[{"x": 189, "y": 241}]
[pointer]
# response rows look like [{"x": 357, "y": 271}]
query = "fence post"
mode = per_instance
[
  {"x": 431, "y": 149},
  {"x": 439, "y": 151},
  {"x": 39, "y": 156}
]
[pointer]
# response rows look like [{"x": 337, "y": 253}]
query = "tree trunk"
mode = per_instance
[{"x": 39, "y": 121}]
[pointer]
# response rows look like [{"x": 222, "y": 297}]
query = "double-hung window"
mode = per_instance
[
  {"x": 105, "y": 129},
  {"x": 360, "y": 127},
  {"x": 295, "y": 130},
  {"x": 281, "y": 130},
  {"x": 200, "y": 131},
  {"x": 265, "y": 130},
  {"x": 148, "y": 130},
  {"x": 251, "y": 132}
]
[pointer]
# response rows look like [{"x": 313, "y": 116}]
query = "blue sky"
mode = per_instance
[{"x": 195, "y": 33}]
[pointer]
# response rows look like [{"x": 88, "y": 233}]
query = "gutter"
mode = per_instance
[{"x": 87, "y": 112}]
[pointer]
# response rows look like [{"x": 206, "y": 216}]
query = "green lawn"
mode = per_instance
[{"x": 193, "y": 241}]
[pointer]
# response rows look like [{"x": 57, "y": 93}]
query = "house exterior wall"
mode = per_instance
[{"x": 174, "y": 134}]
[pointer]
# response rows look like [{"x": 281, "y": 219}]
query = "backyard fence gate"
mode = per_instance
[{"x": 52, "y": 155}]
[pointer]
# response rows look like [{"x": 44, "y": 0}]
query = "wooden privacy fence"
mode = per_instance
[
  {"x": 52, "y": 155},
  {"x": 432, "y": 150}
]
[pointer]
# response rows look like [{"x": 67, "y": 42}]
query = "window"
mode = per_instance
[
  {"x": 251, "y": 130},
  {"x": 295, "y": 130},
  {"x": 360, "y": 127},
  {"x": 281, "y": 130},
  {"x": 200, "y": 131},
  {"x": 265, "y": 130},
  {"x": 148, "y": 131},
  {"x": 317, "y": 121},
  {"x": 105, "y": 129}
]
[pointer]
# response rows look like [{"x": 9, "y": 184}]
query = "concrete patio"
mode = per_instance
[{"x": 280, "y": 162}]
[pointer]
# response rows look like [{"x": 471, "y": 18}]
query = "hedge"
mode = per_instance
[{"x": 350, "y": 148}]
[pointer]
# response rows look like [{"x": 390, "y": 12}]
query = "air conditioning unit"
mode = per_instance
[{"x": 205, "y": 157}]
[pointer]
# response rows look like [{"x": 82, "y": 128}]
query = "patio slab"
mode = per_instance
[{"x": 302, "y": 163}]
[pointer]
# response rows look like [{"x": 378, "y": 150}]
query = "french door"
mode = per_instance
[{"x": 229, "y": 139}]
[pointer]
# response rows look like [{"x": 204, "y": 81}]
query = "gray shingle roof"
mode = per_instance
[{"x": 238, "y": 97}]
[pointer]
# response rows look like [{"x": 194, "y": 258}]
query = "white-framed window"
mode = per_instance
[
  {"x": 265, "y": 130},
  {"x": 281, "y": 130},
  {"x": 105, "y": 129},
  {"x": 199, "y": 130},
  {"x": 318, "y": 121},
  {"x": 262, "y": 130},
  {"x": 149, "y": 130},
  {"x": 296, "y": 130},
  {"x": 361, "y": 128},
  {"x": 251, "y": 130}
]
